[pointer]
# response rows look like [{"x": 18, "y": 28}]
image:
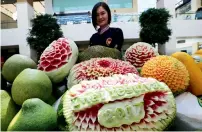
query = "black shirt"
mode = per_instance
[{"x": 113, "y": 38}]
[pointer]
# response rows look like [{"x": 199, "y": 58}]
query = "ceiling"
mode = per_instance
[
  {"x": 8, "y": 7},
  {"x": 13, "y": 1}
]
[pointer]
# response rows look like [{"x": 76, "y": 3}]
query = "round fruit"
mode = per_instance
[
  {"x": 169, "y": 70},
  {"x": 198, "y": 52},
  {"x": 8, "y": 109},
  {"x": 98, "y": 51},
  {"x": 195, "y": 74},
  {"x": 58, "y": 58},
  {"x": 139, "y": 53},
  {"x": 16, "y": 64},
  {"x": 31, "y": 83},
  {"x": 35, "y": 115},
  {"x": 98, "y": 67}
]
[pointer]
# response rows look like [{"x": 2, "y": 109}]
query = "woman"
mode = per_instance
[{"x": 106, "y": 36}]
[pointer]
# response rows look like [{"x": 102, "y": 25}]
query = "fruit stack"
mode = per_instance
[{"x": 102, "y": 92}]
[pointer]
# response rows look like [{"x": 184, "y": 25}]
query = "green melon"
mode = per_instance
[
  {"x": 16, "y": 64},
  {"x": 117, "y": 103},
  {"x": 31, "y": 83},
  {"x": 8, "y": 109},
  {"x": 99, "y": 52}
]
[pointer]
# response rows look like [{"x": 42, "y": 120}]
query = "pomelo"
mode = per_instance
[
  {"x": 16, "y": 64},
  {"x": 31, "y": 83}
]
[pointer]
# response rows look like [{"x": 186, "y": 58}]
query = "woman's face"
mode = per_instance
[{"x": 102, "y": 17}]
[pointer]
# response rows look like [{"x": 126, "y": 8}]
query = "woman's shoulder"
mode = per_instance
[
  {"x": 94, "y": 35},
  {"x": 116, "y": 29}
]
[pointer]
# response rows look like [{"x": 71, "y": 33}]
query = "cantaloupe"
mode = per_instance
[
  {"x": 169, "y": 70},
  {"x": 195, "y": 73}
]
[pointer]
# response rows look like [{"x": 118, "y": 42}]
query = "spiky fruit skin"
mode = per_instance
[
  {"x": 16, "y": 64},
  {"x": 139, "y": 53},
  {"x": 106, "y": 105},
  {"x": 31, "y": 83},
  {"x": 58, "y": 58},
  {"x": 99, "y": 51},
  {"x": 8, "y": 109},
  {"x": 169, "y": 70},
  {"x": 98, "y": 67},
  {"x": 35, "y": 115}
]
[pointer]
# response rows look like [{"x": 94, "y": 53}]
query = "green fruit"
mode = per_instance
[
  {"x": 51, "y": 100},
  {"x": 61, "y": 119},
  {"x": 31, "y": 83},
  {"x": 35, "y": 115},
  {"x": 8, "y": 109},
  {"x": 15, "y": 64},
  {"x": 98, "y": 51}
]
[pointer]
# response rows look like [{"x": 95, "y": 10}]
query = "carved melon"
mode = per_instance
[
  {"x": 58, "y": 58},
  {"x": 117, "y": 103}
]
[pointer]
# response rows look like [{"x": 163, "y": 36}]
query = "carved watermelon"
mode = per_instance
[
  {"x": 117, "y": 103},
  {"x": 139, "y": 53},
  {"x": 98, "y": 51},
  {"x": 98, "y": 67},
  {"x": 58, "y": 58}
]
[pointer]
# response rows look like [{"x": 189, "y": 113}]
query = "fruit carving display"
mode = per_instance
[
  {"x": 98, "y": 67},
  {"x": 58, "y": 58},
  {"x": 169, "y": 70},
  {"x": 118, "y": 103},
  {"x": 139, "y": 53}
]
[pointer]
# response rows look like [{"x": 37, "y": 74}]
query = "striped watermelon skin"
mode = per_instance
[{"x": 118, "y": 103}]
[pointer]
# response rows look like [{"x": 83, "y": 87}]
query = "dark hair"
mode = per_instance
[{"x": 94, "y": 13}]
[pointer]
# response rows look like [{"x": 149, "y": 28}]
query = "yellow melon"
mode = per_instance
[
  {"x": 198, "y": 52},
  {"x": 195, "y": 74},
  {"x": 169, "y": 70}
]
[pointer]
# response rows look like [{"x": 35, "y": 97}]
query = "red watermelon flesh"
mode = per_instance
[
  {"x": 139, "y": 53},
  {"x": 149, "y": 98},
  {"x": 55, "y": 56}
]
